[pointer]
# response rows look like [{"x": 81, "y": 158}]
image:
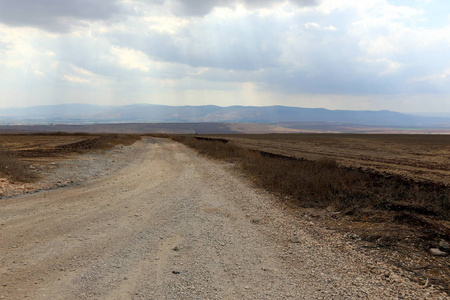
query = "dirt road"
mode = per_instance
[{"x": 174, "y": 225}]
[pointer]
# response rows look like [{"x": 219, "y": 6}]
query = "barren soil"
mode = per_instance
[
  {"x": 174, "y": 225},
  {"x": 420, "y": 157}
]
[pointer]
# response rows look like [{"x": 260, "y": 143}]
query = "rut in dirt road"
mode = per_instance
[{"x": 174, "y": 225}]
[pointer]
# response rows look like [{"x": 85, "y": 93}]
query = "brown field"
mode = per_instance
[
  {"x": 420, "y": 157},
  {"x": 19, "y": 142},
  {"x": 23, "y": 157}
]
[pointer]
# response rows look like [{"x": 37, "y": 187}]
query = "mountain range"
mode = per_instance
[{"x": 148, "y": 113}]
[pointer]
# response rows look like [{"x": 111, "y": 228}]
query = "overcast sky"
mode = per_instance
[{"x": 336, "y": 54}]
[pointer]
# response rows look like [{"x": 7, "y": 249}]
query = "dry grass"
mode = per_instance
[
  {"x": 416, "y": 156},
  {"x": 102, "y": 142},
  {"x": 20, "y": 151},
  {"x": 323, "y": 182},
  {"x": 13, "y": 168}
]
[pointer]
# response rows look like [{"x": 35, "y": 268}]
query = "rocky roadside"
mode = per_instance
[{"x": 73, "y": 171}]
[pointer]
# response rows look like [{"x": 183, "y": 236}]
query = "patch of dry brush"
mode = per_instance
[
  {"x": 13, "y": 168},
  {"x": 322, "y": 183},
  {"x": 102, "y": 142}
]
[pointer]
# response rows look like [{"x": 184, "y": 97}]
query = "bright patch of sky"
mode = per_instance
[
  {"x": 436, "y": 12},
  {"x": 337, "y": 54}
]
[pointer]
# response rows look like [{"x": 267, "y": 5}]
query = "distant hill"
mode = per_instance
[{"x": 147, "y": 113}]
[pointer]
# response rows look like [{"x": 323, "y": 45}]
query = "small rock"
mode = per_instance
[
  {"x": 437, "y": 252},
  {"x": 444, "y": 245},
  {"x": 255, "y": 221},
  {"x": 365, "y": 244},
  {"x": 176, "y": 248},
  {"x": 295, "y": 239}
]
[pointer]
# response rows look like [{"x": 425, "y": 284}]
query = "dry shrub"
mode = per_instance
[
  {"x": 323, "y": 182},
  {"x": 102, "y": 142},
  {"x": 309, "y": 183},
  {"x": 60, "y": 133},
  {"x": 13, "y": 168},
  {"x": 213, "y": 148}
]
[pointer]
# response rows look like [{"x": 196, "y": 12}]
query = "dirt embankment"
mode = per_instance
[
  {"x": 174, "y": 225},
  {"x": 34, "y": 162}
]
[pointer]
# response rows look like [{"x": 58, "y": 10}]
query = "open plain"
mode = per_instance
[{"x": 174, "y": 225}]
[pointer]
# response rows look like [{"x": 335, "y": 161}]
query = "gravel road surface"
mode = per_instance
[{"x": 172, "y": 224}]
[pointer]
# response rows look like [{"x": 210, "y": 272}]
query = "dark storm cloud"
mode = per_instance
[
  {"x": 55, "y": 15},
  {"x": 201, "y": 7}
]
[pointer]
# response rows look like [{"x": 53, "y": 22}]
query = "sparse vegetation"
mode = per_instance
[
  {"x": 15, "y": 160},
  {"x": 323, "y": 182},
  {"x": 416, "y": 156},
  {"x": 13, "y": 168},
  {"x": 102, "y": 142}
]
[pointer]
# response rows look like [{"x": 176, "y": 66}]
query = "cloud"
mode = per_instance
[
  {"x": 131, "y": 59},
  {"x": 62, "y": 16},
  {"x": 201, "y": 7},
  {"x": 4, "y": 45},
  {"x": 305, "y": 51},
  {"x": 349, "y": 48},
  {"x": 75, "y": 79},
  {"x": 55, "y": 15},
  {"x": 249, "y": 42}
]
